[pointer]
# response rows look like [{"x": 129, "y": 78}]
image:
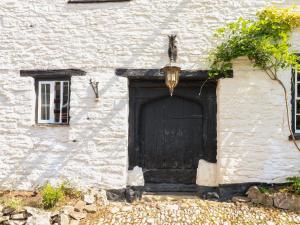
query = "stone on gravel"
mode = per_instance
[
  {"x": 19, "y": 216},
  {"x": 67, "y": 209},
  {"x": 114, "y": 210},
  {"x": 255, "y": 195},
  {"x": 286, "y": 201},
  {"x": 126, "y": 208},
  {"x": 90, "y": 208},
  {"x": 130, "y": 195},
  {"x": 172, "y": 207},
  {"x": 79, "y": 206},
  {"x": 115, "y": 195},
  {"x": 77, "y": 215},
  {"x": 7, "y": 210},
  {"x": 16, "y": 222},
  {"x": 102, "y": 198},
  {"x": 38, "y": 217},
  {"x": 74, "y": 222},
  {"x": 253, "y": 192},
  {"x": 32, "y": 211},
  {"x": 63, "y": 219},
  {"x": 240, "y": 199},
  {"x": 212, "y": 195},
  {"x": 267, "y": 200},
  {"x": 4, "y": 218},
  {"x": 89, "y": 199},
  {"x": 38, "y": 220}
]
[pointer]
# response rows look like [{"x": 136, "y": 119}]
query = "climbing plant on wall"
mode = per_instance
[{"x": 264, "y": 40}]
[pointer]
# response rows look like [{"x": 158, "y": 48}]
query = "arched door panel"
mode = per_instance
[{"x": 168, "y": 135}]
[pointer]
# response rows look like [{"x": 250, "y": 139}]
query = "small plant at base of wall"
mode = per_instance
[
  {"x": 295, "y": 184},
  {"x": 264, "y": 41},
  {"x": 51, "y": 195}
]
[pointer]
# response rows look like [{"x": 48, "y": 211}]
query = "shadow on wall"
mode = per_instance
[
  {"x": 253, "y": 137},
  {"x": 84, "y": 151}
]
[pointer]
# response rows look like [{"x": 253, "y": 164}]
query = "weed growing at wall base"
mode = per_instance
[
  {"x": 51, "y": 195},
  {"x": 295, "y": 184}
]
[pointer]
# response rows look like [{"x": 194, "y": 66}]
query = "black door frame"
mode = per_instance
[
  {"x": 156, "y": 74},
  {"x": 134, "y": 151}
]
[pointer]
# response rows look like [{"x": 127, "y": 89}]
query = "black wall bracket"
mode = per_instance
[{"x": 94, "y": 85}]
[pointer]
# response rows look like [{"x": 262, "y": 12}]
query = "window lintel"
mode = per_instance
[{"x": 48, "y": 74}]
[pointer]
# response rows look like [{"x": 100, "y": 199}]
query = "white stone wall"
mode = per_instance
[
  {"x": 91, "y": 151},
  {"x": 253, "y": 143},
  {"x": 98, "y": 38}
]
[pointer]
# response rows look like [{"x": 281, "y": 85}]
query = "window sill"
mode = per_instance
[
  {"x": 50, "y": 125},
  {"x": 297, "y": 137},
  {"x": 96, "y": 1}
]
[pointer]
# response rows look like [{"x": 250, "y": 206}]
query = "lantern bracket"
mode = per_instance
[{"x": 95, "y": 85}]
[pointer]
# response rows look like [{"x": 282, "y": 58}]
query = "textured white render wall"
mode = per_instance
[
  {"x": 98, "y": 38},
  {"x": 253, "y": 143},
  {"x": 89, "y": 152}
]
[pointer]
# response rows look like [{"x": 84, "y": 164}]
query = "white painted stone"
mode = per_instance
[
  {"x": 136, "y": 177},
  {"x": 206, "y": 174},
  {"x": 253, "y": 143},
  {"x": 98, "y": 38},
  {"x": 38, "y": 217}
]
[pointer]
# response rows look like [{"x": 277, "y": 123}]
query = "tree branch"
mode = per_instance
[{"x": 286, "y": 106}]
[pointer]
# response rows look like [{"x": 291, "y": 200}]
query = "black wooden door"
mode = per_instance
[{"x": 168, "y": 135}]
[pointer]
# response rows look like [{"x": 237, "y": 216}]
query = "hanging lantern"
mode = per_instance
[
  {"x": 172, "y": 71},
  {"x": 172, "y": 74}
]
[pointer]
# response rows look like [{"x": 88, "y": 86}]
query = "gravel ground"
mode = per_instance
[{"x": 166, "y": 210}]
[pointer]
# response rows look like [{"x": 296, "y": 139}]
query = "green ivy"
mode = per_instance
[{"x": 264, "y": 40}]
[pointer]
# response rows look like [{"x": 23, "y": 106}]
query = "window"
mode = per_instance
[
  {"x": 53, "y": 101},
  {"x": 52, "y": 89},
  {"x": 296, "y": 103}
]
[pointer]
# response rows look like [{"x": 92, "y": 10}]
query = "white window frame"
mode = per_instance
[
  {"x": 51, "y": 119},
  {"x": 297, "y": 73}
]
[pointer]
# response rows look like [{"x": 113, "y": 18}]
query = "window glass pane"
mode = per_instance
[
  {"x": 57, "y": 100},
  {"x": 298, "y": 106},
  {"x": 45, "y": 101},
  {"x": 298, "y": 76},
  {"x": 298, "y": 90},
  {"x": 298, "y": 122},
  {"x": 65, "y": 102}
]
